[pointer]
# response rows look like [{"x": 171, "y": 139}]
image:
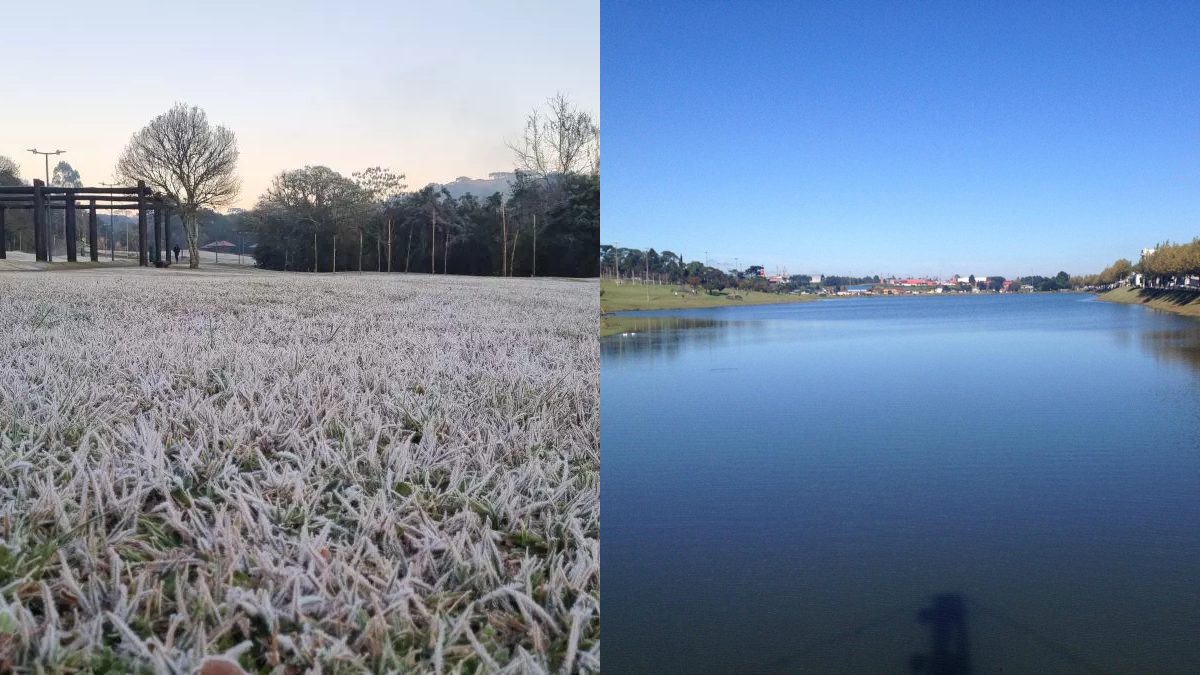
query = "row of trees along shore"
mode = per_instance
[
  {"x": 667, "y": 267},
  {"x": 1167, "y": 263},
  {"x": 1165, "y": 266},
  {"x": 315, "y": 219}
]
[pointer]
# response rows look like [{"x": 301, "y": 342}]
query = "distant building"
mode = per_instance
[{"x": 857, "y": 289}]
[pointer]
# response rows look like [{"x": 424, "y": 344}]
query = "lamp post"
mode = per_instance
[
  {"x": 47, "y": 156},
  {"x": 112, "y": 243},
  {"x": 241, "y": 245},
  {"x": 50, "y": 245}
]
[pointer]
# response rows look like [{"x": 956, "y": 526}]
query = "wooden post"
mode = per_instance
[
  {"x": 158, "y": 234},
  {"x": 166, "y": 233},
  {"x": 512, "y": 252},
  {"x": 93, "y": 235},
  {"x": 72, "y": 231},
  {"x": 503, "y": 242},
  {"x": 143, "y": 257},
  {"x": 39, "y": 221},
  {"x": 3, "y": 235}
]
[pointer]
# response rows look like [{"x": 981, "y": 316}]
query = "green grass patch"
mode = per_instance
[
  {"x": 631, "y": 296},
  {"x": 1182, "y": 302}
]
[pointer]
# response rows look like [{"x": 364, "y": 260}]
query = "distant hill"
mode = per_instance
[{"x": 497, "y": 181}]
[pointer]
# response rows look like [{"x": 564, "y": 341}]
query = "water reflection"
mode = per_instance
[
  {"x": 786, "y": 488},
  {"x": 1175, "y": 346},
  {"x": 654, "y": 337}
]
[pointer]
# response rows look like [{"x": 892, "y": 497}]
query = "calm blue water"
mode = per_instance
[{"x": 785, "y": 487}]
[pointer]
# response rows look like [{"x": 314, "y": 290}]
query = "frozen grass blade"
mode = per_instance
[{"x": 378, "y": 473}]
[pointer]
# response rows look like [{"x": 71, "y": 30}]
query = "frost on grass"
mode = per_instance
[{"x": 351, "y": 473}]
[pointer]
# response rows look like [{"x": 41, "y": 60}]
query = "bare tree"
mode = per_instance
[
  {"x": 180, "y": 154},
  {"x": 558, "y": 140},
  {"x": 10, "y": 171}
]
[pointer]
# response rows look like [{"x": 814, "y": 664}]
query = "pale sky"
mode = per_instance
[{"x": 432, "y": 89}]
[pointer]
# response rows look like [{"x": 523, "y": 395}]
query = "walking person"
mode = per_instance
[{"x": 176, "y": 252}]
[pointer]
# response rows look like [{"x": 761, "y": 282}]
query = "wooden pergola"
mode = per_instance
[{"x": 42, "y": 199}]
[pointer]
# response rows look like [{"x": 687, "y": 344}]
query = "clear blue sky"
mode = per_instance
[{"x": 904, "y": 138}]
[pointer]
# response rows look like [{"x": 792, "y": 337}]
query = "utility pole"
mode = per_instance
[
  {"x": 50, "y": 244},
  {"x": 112, "y": 244}
]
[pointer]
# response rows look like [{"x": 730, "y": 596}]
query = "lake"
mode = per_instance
[{"x": 785, "y": 488}]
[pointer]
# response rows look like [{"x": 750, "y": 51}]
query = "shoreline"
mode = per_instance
[
  {"x": 640, "y": 297},
  {"x": 622, "y": 319},
  {"x": 1181, "y": 302}
]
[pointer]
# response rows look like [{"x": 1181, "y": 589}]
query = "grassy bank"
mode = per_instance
[
  {"x": 1178, "y": 302},
  {"x": 350, "y": 473},
  {"x": 626, "y": 297}
]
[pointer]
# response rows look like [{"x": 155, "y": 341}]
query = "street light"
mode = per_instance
[
  {"x": 241, "y": 244},
  {"x": 47, "y": 156},
  {"x": 50, "y": 246},
  {"x": 112, "y": 244}
]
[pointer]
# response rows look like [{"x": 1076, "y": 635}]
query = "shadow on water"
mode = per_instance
[
  {"x": 946, "y": 622},
  {"x": 949, "y": 652}
]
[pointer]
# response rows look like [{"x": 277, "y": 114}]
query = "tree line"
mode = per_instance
[
  {"x": 669, "y": 267},
  {"x": 1165, "y": 265},
  {"x": 314, "y": 219},
  {"x": 1172, "y": 260}
]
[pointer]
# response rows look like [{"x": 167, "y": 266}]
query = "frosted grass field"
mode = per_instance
[{"x": 347, "y": 473}]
